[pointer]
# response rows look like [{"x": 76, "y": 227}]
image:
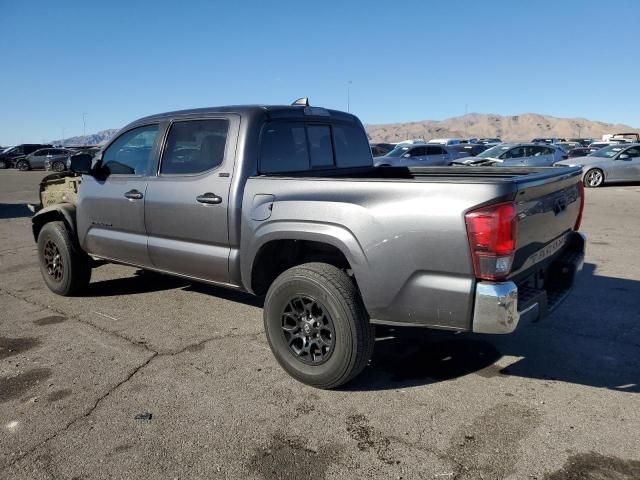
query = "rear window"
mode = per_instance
[
  {"x": 296, "y": 146},
  {"x": 351, "y": 146}
]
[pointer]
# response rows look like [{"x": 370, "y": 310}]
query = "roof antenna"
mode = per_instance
[{"x": 304, "y": 101}]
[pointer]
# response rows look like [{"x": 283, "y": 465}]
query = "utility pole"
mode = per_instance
[
  {"x": 349, "y": 96},
  {"x": 465, "y": 120},
  {"x": 62, "y": 137},
  {"x": 84, "y": 124}
]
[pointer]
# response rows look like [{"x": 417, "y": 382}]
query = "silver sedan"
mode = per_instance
[
  {"x": 517, "y": 155},
  {"x": 615, "y": 163},
  {"x": 417, "y": 155}
]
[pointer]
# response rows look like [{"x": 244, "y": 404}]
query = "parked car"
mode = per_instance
[
  {"x": 581, "y": 152},
  {"x": 582, "y": 141},
  {"x": 612, "y": 164},
  {"x": 380, "y": 149},
  {"x": 413, "y": 141},
  {"x": 10, "y": 156},
  {"x": 490, "y": 141},
  {"x": 37, "y": 159},
  {"x": 465, "y": 150},
  {"x": 283, "y": 201},
  {"x": 417, "y": 155},
  {"x": 445, "y": 141},
  {"x": 632, "y": 137},
  {"x": 566, "y": 146},
  {"x": 548, "y": 141},
  {"x": 516, "y": 155},
  {"x": 64, "y": 164},
  {"x": 599, "y": 145}
]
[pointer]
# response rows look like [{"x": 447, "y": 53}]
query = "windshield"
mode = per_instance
[
  {"x": 7, "y": 150},
  {"x": 397, "y": 152},
  {"x": 607, "y": 152},
  {"x": 494, "y": 152}
]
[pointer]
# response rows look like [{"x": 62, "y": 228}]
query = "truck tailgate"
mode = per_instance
[{"x": 547, "y": 212}]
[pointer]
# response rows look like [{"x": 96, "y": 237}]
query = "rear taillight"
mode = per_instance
[
  {"x": 492, "y": 232},
  {"x": 579, "y": 219}
]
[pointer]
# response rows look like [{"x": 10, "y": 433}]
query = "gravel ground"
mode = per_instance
[{"x": 152, "y": 377}]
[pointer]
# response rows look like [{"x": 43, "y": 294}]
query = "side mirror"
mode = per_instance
[
  {"x": 623, "y": 156},
  {"x": 81, "y": 163}
]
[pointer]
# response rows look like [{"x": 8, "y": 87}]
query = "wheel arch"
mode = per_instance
[
  {"x": 65, "y": 212},
  {"x": 279, "y": 247}
]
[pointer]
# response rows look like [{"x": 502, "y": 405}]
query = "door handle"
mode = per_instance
[
  {"x": 209, "y": 198},
  {"x": 133, "y": 194}
]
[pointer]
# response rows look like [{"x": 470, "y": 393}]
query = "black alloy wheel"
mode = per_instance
[
  {"x": 308, "y": 330},
  {"x": 53, "y": 261}
]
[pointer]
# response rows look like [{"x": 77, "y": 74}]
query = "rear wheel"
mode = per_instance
[
  {"x": 58, "y": 166},
  {"x": 23, "y": 166},
  {"x": 65, "y": 268},
  {"x": 594, "y": 178},
  {"x": 317, "y": 326}
]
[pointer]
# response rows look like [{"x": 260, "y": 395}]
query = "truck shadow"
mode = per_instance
[
  {"x": 14, "y": 210},
  {"x": 147, "y": 281},
  {"x": 593, "y": 339}
]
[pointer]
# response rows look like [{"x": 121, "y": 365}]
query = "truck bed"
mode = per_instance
[{"x": 410, "y": 224}]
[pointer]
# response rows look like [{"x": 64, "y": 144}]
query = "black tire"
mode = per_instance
[
  {"x": 65, "y": 268},
  {"x": 58, "y": 167},
  {"x": 352, "y": 336},
  {"x": 594, "y": 178},
  {"x": 23, "y": 165},
  {"x": 3, "y": 164}
]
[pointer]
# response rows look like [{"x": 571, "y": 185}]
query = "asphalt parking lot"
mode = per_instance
[{"x": 152, "y": 377}]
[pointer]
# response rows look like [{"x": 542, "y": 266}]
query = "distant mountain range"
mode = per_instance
[
  {"x": 94, "y": 139},
  {"x": 509, "y": 128},
  {"x": 523, "y": 127}
]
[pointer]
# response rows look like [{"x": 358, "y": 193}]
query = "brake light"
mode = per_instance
[
  {"x": 579, "y": 219},
  {"x": 492, "y": 232}
]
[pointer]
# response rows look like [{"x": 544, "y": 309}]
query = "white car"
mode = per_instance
[{"x": 445, "y": 141}]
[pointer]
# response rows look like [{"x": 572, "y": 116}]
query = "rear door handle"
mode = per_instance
[
  {"x": 133, "y": 194},
  {"x": 209, "y": 198}
]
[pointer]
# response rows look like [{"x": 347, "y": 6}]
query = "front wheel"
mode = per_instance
[
  {"x": 3, "y": 164},
  {"x": 317, "y": 326},
  {"x": 65, "y": 268},
  {"x": 594, "y": 178},
  {"x": 23, "y": 166}
]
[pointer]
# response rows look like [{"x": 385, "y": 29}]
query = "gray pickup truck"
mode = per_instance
[{"x": 284, "y": 201}]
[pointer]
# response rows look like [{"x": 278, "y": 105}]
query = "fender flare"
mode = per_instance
[
  {"x": 332, "y": 234},
  {"x": 65, "y": 212}
]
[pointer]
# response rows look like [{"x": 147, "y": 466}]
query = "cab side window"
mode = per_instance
[
  {"x": 130, "y": 153},
  {"x": 194, "y": 146}
]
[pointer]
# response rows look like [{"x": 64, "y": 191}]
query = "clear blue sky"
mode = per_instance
[{"x": 415, "y": 60}]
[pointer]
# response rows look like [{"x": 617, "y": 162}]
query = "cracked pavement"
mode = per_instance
[{"x": 558, "y": 399}]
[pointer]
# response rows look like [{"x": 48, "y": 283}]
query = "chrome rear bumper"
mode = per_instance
[{"x": 499, "y": 307}]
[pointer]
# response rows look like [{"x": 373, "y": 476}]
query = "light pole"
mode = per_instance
[
  {"x": 349, "y": 96},
  {"x": 84, "y": 124},
  {"x": 62, "y": 137}
]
